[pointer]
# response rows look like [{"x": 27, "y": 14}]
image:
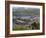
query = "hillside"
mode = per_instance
[{"x": 26, "y": 11}]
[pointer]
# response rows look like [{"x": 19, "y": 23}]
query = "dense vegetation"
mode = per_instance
[{"x": 32, "y": 27}]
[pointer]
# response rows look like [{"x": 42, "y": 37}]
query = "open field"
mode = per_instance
[{"x": 20, "y": 27}]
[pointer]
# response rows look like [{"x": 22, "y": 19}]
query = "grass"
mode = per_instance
[
  {"x": 26, "y": 27},
  {"x": 20, "y": 27}
]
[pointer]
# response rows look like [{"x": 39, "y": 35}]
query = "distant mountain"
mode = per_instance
[{"x": 26, "y": 11}]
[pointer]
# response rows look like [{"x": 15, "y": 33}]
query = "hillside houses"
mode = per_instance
[{"x": 24, "y": 20}]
